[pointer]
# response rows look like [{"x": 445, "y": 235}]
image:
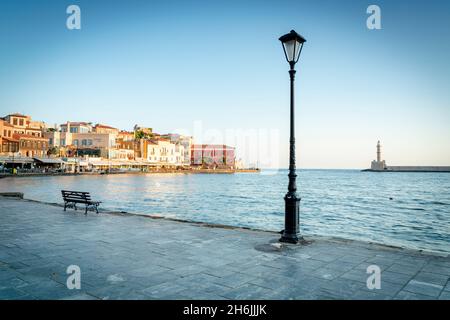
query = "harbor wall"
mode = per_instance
[
  {"x": 418, "y": 168},
  {"x": 412, "y": 169}
]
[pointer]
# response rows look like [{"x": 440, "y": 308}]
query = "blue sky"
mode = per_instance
[{"x": 171, "y": 64}]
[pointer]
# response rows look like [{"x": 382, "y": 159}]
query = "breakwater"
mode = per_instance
[{"x": 411, "y": 169}]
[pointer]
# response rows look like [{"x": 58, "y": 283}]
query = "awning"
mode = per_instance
[
  {"x": 16, "y": 160},
  {"x": 48, "y": 160}
]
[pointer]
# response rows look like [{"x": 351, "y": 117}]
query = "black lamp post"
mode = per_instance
[{"x": 292, "y": 46}]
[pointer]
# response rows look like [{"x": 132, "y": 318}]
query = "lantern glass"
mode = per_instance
[
  {"x": 291, "y": 50},
  {"x": 292, "y": 45}
]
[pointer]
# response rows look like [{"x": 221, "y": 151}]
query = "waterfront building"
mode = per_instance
[
  {"x": 31, "y": 146},
  {"x": 20, "y": 134},
  {"x": 122, "y": 154},
  {"x": 76, "y": 127},
  {"x": 125, "y": 136},
  {"x": 64, "y": 136},
  {"x": 184, "y": 151},
  {"x": 180, "y": 154},
  {"x": 125, "y": 145},
  {"x": 163, "y": 152},
  {"x": 80, "y": 139},
  {"x": 6, "y": 129},
  {"x": 213, "y": 156},
  {"x": 8, "y": 145},
  {"x": 54, "y": 138},
  {"x": 101, "y": 128},
  {"x": 153, "y": 152},
  {"x": 141, "y": 148},
  {"x": 167, "y": 151},
  {"x": 94, "y": 144},
  {"x": 23, "y": 124}
]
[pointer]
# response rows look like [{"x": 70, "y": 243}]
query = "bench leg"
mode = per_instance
[
  {"x": 96, "y": 208},
  {"x": 86, "y": 209},
  {"x": 65, "y": 206},
  {"x": 75, "y": 206}
]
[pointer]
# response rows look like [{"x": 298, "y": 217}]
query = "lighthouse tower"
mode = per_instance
[
  {"x": 378, "y": 151},
  {"x": 378, "y": 165}
]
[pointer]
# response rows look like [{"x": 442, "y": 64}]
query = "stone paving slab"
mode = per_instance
[{"x": 136, "y": 257}]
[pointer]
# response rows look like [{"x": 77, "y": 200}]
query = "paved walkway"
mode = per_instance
[{"x": 132, "y": 257}]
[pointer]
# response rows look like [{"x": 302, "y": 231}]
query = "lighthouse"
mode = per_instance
[
  {"x": 378, "y": 151},
  {"x": 378, "y": 165}
]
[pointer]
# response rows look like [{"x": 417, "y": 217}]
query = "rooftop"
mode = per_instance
[
  {"x": 76, "y": 123},
  {"x": 17, "y": 115},
  {"x": 124, "y": 256},
  {"x": 98, "y": 125},
  {"x": 211, "y": 146}
]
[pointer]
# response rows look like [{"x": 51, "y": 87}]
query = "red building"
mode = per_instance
[{"x": 213, "y": 155}]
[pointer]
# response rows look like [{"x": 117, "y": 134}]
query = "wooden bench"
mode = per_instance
[{"x": 71, "y": 198}]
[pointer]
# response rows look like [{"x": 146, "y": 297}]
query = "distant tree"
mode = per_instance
[
  {"x": 139, "y": 134},
  {"x": 53, "y": 151}
]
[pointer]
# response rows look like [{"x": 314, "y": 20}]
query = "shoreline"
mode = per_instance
[
  {"x": 407, "y": 171},
  {"x": 189, "y": 171},
  {"x": 310, "y": 237}
]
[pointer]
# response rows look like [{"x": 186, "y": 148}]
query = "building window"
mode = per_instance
[
  {"x": 21, "y": 122},
  {"x": 15, "y": 121},
  {"x": 89, "y": 142},
  {"x": 75, "y": 142},
  {"x": 84, "y": 142},
  {"x": 74, "y": 130},
  {"x": 50, "y": 141},
  {"x": 63, "y": 142}
]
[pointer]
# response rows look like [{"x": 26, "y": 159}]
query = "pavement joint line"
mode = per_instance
[{"x": 157, "y": 248}]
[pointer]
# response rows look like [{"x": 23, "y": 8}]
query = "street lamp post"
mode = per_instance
[{"x": 292, "y": 46}]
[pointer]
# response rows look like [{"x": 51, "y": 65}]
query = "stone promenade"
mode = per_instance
[{"x": 135, "y": 257}]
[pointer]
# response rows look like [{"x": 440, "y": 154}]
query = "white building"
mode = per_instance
[
  {"x": 163, "y": 152},
  {"x": 153, "y": 152},
  {"x": 186, "y": 142}
]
